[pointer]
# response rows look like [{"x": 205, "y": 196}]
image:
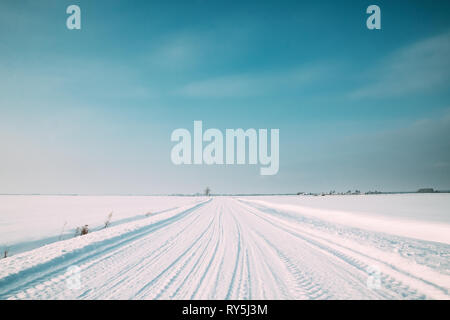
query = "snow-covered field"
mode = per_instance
[
  {"x": 28, "y": 222},
  {"x": 268, "y": 247}
]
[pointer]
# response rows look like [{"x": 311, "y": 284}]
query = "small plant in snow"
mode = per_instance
[
  {"x": 84, "y": 230},
  {"x": 62, "y": 231},
  {"x": 5, "y": 252},
  {"x": 81, "y": 231},
  {"x": 108, "y": 220}
]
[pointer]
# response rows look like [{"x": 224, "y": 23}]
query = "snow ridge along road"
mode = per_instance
[{"x": 231, "y": 248}]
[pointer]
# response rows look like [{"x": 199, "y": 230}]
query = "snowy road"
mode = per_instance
[{"x": 230, "y": 248}]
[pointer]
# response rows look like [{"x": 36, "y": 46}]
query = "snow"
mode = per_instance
[
  {"x": 428, "y": 207},
  {"x": 395, "y": 214},
  {"x": 27, "y": 222},
  {"x": 267, "y": 247}
]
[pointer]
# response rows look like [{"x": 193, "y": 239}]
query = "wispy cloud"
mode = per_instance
[
  {"x": 254, "y": 84},
  {"x": 177, "y": 52},
  {"x": 193, "y": 49},
  {"x": 420, "y": 67},
  {"x": 407, "y": 156},
  {"x": 69, "y": 79}
]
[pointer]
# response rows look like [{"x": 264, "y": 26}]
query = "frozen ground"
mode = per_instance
[
  {"x": 365, "y": 247},
  {"x": 28, "y": 222}
]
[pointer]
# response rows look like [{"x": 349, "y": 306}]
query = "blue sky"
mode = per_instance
[{"x": 91, "y": 111}]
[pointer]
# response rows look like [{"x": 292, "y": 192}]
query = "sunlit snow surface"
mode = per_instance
[{"x": 265, "y": 247}]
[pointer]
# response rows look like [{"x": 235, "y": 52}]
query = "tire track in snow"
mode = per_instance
[
  {"x": 146, "y": 258},
  {"x": 209, "y": 264},
  {"x": 222, "y": 249},
  {"x": 56, "y": 267},
  {"x": 397, "y": 288}
]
